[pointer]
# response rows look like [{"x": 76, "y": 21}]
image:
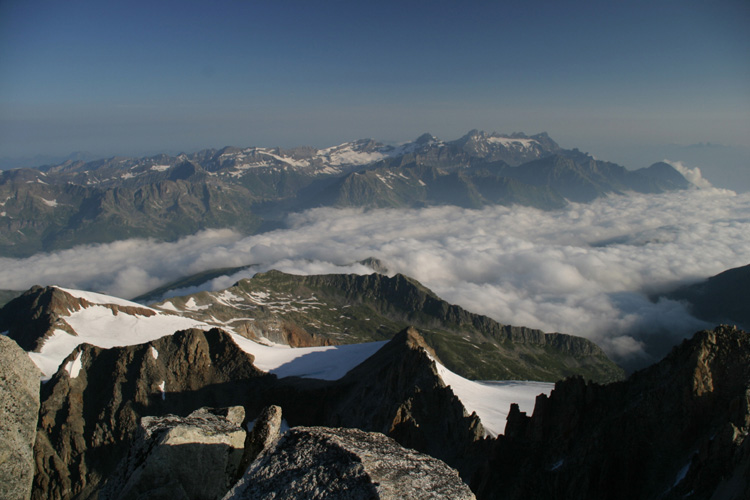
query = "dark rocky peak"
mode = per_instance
[
  {"x": 92, "y": 406},
  {"x": 680, "y": 427},
  {"x": 325, "y": 463},
  {"x": 666, "y": 173},
  {"x": 545, "y": 140},
  {"x": 723, "y": 298},
  {"x": 396, "y": 391},
  {"x": 407, "y": 344},
  {"x": 425, "y": 139},
  {"x": 34, "y": 316},
  {"x": 187, "y": 170}
]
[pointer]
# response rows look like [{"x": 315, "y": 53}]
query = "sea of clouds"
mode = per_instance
[{"x": 588, "y": 269}]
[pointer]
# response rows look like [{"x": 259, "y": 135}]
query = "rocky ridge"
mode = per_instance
[
  {"x": 680, "y": 427},
  {"x": 303, "y": 311},
  {"x": 90, "y": 414},
  {"x": 343, "y": 309}
]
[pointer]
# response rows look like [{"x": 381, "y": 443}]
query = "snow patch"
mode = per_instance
[
  {"x": 160, "y": 168},
  {"x": 100, "y": 298},
  {"x": 49, "y": 203},
  {"x": 168, "y": 306},
  {"x": 162, "y": 389},
  {"x": 324, "y": 363},
  {"x": 491, "y": 400},
  {"x": 193, "y": 306},
  {"x": 509, "y": 142},
  {"x": 74, "y": 367},
  {"x": 154, "y": 352}
]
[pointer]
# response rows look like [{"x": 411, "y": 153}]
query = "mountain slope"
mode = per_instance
[
  {"x": 723, "y": 298},
  {"x": 343, "y": 309},
  {"x": 674, "y": 430},
  {"x": 91, "y": 407}
]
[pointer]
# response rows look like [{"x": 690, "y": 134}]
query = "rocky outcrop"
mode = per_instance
[
  {"x": 265, "y": 430},
  {"x": 676, "y": 429},
  {"x": 324, "y": 463},
  {"x": 92, "y": 406},
  {"x": 397, "y": 392},
  {"x": 19, "y": 406},
  {"x": 34, "y": 316},
  {"x": 181, "y": 458},
  {"x": 472, "y": 345}
]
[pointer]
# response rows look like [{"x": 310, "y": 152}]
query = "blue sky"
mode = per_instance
[{"x": 618, "y": 79}]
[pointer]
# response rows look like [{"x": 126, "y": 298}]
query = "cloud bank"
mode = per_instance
[{"x": 588, "y": 269}]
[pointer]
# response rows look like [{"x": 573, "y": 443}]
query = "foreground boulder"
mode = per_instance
[
  {"x": 19, "y": 405},
  {"x": 336, "y": 463},
  {"x": 181, "y": 458}
]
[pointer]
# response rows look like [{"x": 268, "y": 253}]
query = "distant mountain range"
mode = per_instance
[{"x": 251, "y": 189}]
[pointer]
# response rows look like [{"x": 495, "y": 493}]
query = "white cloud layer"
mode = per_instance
[
  {"x": 587, "y": 269},
  {"x": 693, "y": 175}
]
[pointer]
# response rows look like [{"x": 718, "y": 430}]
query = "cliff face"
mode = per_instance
[
  {"x": 91, "y": 407},
  {"x": 679, "y": 427},
  {"x": 397, "y": 392},
  {"x": 19, "y": 407}
]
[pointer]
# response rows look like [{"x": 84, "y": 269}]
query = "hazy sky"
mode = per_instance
[{"x": 612, "y": 78}]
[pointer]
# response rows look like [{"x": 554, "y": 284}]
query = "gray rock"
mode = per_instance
[
  {"x": 193, "y": 457},
  {"x": 19, "y": 408},
  {"x": 328, "y": 463},
  {"x": 265, "y": 431}
]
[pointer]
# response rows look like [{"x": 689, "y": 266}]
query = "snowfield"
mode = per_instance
[{"x": 100, "y": 326}]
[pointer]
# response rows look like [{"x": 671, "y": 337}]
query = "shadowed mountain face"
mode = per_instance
[
  {"x": 724, "y": 298},
  {"x": 248, "y": 189},
  {"x": 89, "y": 413},
  {"x": 677, "y": 429},
  {"x": 91, "y": 408}
]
